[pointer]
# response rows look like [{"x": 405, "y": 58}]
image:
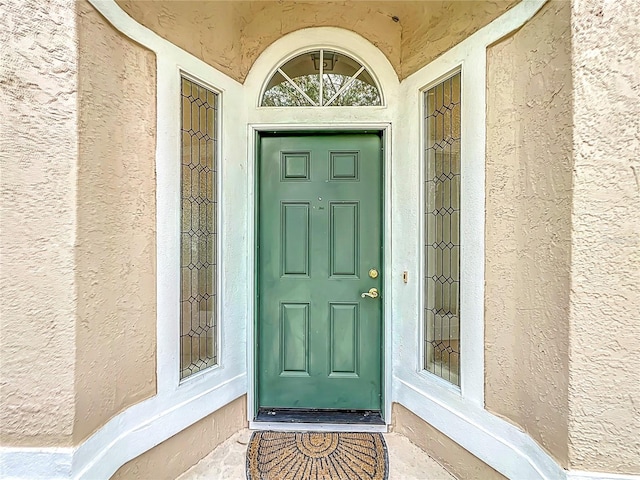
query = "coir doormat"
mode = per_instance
[{"x": 317, "y": 455}]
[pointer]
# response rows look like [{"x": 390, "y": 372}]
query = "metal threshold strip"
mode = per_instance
[{"x": 318, "y": 416}]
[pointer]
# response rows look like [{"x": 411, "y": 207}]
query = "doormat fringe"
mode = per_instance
[{"x": 317, "y": 455}]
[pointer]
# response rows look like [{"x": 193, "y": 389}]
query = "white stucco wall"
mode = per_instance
[
  {"x": 604, "y": 355},
  {"x": 38, "y": 154}
]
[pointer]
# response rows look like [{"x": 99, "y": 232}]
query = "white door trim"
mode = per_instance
[{"x": 252, "y": 153}]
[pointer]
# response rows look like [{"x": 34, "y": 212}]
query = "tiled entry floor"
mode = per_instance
[{"x": 406, "y": 461}]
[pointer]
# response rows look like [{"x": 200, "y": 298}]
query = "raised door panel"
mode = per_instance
[
  {"x": 294, "y": 338},
  {"x": 345, "y": 339},
  {"x": 295, "y": 239},
  {"x": 344, "y": 238}
]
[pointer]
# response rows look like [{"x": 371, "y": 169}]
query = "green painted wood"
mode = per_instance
[
  {"x": 344, "y": 339},
  {"x": 294, "y": 238},
  {"x": 295, "y": 338},
  {"x": 319, "y": 233}
]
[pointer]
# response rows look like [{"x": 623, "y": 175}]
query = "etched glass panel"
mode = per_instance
[
  {"x": 198, "y": 255},
  {"x": 442, "y": 230},
  {"x": 321, "y": 78}
]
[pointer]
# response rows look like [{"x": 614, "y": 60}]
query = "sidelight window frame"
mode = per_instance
[
  {"x": 471, "y": 64},
  {"x": 425, "y": 307},
  {"x": 217, "y": 219}
]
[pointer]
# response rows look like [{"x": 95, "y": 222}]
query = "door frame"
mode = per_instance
[{"x": 254, "y": 131}]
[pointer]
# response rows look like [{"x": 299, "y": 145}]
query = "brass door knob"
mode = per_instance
[{"x": 372, "y": 293}]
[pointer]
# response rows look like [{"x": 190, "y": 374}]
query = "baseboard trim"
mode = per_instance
[
  {"x": 497, "y": 443},
  {"x": 36, "y": 463},
  {"x": 123, "y": 438},
  {"x": 494, "y": 441},
  {"x": 584, "y": 475}
]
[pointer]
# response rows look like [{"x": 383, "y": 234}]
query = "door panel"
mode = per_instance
[
  {"x": 319, "y": 233},
  {"x": 344, "y": 247},
  {"x": 294, "y": 342},
  {"x": 344, "y": 339},
  {"x": 295, "y": 238}
]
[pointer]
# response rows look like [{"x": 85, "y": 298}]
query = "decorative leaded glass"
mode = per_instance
[
  {"x": 442, "y": 230},
  {"x": 321, "y": 78},
  {"x": 198, "y": 290}
]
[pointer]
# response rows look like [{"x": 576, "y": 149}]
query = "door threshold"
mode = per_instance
[
  {"x": 326, "y": 416},
  {"x": 317, "y": 427},
  {"x": 318, "y": 420}
]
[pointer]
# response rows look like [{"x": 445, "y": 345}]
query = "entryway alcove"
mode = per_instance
[{"x": 321, "y": 216}]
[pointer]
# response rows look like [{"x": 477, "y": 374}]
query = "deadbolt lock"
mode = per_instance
[{"x": 373, "y": 273}]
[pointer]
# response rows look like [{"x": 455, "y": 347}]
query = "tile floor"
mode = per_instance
[{"x": 406, "y": 461}]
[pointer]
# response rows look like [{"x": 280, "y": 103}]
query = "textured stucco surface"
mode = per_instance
[
  {"x": 115, "y": 262},
  {"x": 77, "y": 223},
  {"x": 231, "y": 35},
  {"x": 604, "y": 390},
  {"x": 433, "y": 27},
  {"x": 445, "y": 451},
  {"x": 528, "y": 237},
  {"x": 177, "y": 454},
  {"x": 38, "y": 154}
]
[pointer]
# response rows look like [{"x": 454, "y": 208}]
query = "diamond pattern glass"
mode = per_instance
[
  {"x": 198, "y": 226},
  {"x": 442, "y": 230}
]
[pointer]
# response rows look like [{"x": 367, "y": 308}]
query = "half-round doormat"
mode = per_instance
[{"x": 317, "y": 455}]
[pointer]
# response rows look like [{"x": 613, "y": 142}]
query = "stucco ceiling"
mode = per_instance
[{"x": 231, "y": 34}]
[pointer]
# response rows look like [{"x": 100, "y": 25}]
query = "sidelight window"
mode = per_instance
[
  {"x": 442, "y": 104},
  {"x": 321, "y": 78},
  {"x": 198, "y": 225}
]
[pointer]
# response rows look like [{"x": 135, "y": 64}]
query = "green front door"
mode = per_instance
[{"x": 320, "y": 235}]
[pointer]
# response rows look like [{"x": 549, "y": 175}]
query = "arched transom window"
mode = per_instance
[{"x": 321, "y": 78}]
